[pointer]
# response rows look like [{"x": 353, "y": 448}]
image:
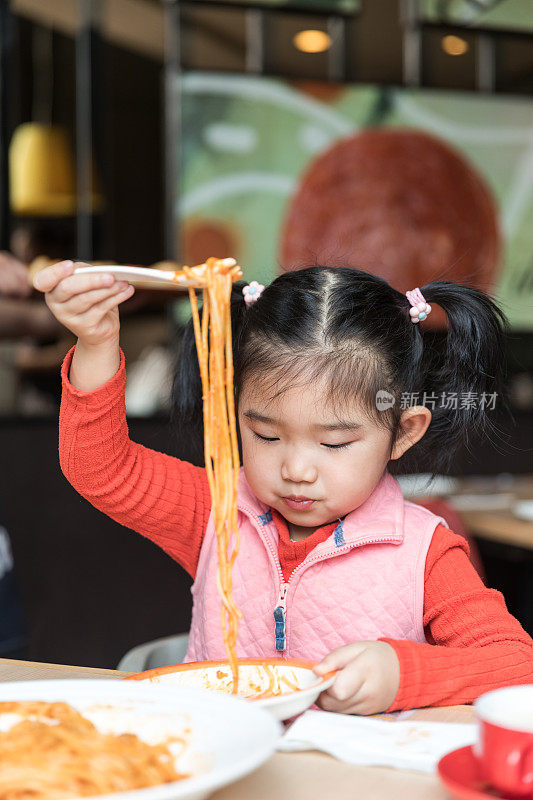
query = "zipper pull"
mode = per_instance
[{"x": 279, "y": 619}]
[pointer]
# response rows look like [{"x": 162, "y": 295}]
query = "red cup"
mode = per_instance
[{"x": 505, "y": 745}]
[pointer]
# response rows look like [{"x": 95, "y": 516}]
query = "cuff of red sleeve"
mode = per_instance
[
  {"x": 113, "y": 389},
  {"x": 408, "y": 693}
]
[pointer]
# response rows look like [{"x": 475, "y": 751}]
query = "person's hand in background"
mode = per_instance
[
  {"x": 20, "y": 314},
  {"x": 14, "y": 279}
]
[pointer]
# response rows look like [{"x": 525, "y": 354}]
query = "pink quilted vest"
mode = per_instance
[{"x": 366, "y": 581}]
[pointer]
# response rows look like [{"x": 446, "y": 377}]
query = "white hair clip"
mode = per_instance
[{"x": 252, "y": 292}]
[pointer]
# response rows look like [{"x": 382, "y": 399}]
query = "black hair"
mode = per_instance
[{"x": 354, "y": 330}]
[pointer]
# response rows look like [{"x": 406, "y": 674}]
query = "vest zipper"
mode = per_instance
[
  {"x": 280, "y": 611},
  {"x": 280, "y": 615}
]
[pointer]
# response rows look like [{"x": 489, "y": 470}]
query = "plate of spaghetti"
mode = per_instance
[
  {"x": 283, "y": 686},
  {"x": 65, "y": 739}
]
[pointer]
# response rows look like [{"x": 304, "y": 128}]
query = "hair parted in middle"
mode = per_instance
[{"x": 352, "y": 331}]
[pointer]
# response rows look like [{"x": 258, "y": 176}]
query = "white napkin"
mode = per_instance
[{"x": 375, "y": 742}]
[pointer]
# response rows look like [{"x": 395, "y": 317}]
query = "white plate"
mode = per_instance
[
  {"x": 254, "y": 678},
  {"x": 229, "y": 737},
  {"x": 524, "y": 510},
  {"x": 482, "y": 502}
]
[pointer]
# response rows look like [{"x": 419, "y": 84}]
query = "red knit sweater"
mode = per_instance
[{"x": 474, "y": 644}]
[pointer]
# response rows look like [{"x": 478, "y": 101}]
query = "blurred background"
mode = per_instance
[{"x": 395, "y": 135}]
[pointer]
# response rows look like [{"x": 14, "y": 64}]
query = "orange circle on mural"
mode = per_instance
[
  {"x": 399, "y": 203},
  {"x": 203, "y": 238}
]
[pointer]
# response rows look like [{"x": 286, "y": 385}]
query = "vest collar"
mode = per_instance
[{"x": 379, "y": 519}]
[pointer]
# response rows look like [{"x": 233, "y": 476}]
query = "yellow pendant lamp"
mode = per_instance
[
  {"x": 42, "y": 175},
  {"x": 42, "y": 171}
]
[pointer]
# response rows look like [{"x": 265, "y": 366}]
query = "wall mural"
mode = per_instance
[
  {"x": 413, "y": 185},
  {"x": 342, "y": 6},
  {"x": 500, "y": 14}
]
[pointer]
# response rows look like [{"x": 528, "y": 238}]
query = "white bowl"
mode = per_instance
[
  {"x": 524, "y": 510},
  {"x": 422, "y": 484},
  {"x": 228, "y": 739},
  {"x": 296, "y": 685}
]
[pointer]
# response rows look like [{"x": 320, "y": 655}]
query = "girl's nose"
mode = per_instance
[{"x": 297, "y": 468}]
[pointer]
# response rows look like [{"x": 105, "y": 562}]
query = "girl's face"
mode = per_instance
[{"x": 296, "y": 447}]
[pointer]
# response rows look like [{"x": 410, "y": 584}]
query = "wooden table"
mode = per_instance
[
  {"x": 497, "y": 525},
  {"x": 291, "y": 776}
]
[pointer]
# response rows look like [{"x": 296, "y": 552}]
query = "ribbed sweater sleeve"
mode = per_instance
[
  {"x": 163, "y": 498},
  {"x": 474, "y": 644}
]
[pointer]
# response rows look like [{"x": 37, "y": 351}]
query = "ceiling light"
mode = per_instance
[
  {"x": 312, "y": 41},
  {"x": 454, "y": 45}
]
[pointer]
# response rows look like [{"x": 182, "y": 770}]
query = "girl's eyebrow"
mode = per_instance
[{"x": 340, "y": 425}]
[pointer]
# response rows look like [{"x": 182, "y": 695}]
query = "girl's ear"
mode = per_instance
[{"x": 414, "y": 422}]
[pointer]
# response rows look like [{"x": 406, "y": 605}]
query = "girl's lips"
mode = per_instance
[{"x": 299, "y": 504}]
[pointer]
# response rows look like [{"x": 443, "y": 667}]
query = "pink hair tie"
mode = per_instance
[
  {"x": 252, "y": 292},
  {"x": 420, "y": 309}
]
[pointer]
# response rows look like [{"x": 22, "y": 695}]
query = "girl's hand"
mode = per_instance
[
  {"x": 368, "y": 680},
  {"x": 85, "y": 304}
]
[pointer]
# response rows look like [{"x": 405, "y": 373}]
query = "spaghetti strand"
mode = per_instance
[{"x": 215, "y": 359}]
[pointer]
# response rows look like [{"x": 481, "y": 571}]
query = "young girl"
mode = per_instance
[{"x": 334, "y": 564}]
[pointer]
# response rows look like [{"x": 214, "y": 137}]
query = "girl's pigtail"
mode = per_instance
[
  {"x": 465, "y": 382},
  {"x": 187, "y": 403},
  {"x": 239, "y": 314}
]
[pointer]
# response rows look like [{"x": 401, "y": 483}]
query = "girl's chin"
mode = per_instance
[
  {"x": 309, "y": 519},
  {"x": 312, "y": 517},
  {"x": 305, "y": 519}
]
